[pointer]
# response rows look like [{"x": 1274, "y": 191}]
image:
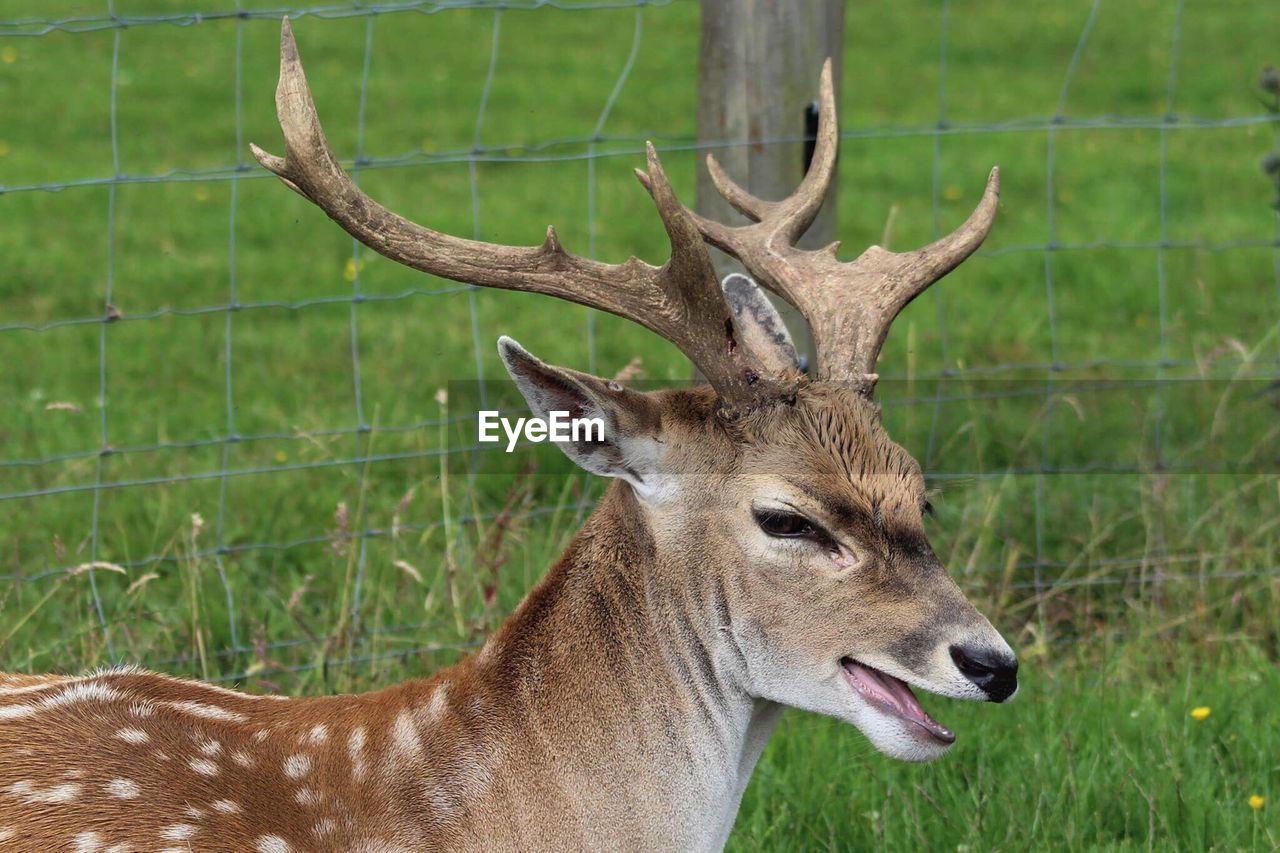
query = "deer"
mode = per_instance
[{"x": 761, "y": 545}]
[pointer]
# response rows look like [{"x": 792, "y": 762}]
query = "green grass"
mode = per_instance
[
  {"x": 1088, "y": 757},
  {"x": 1166, "y": 593}
]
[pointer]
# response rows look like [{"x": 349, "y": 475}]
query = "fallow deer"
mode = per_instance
[{"x": 761, "y": 545}]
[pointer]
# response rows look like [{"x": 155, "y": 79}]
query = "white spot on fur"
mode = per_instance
[
  {"x": 323, "y": 827},
  {"x": 318, "y": 733},
  {"x": 178, "y": 832},
  {"x": 272, "y": 844},
  {"x": 31, "y": 688},
  {"x": 210, "y": 748},
  {"x": 118, "y": 848},
  {"x": 210, "y": 712},
  {"x": 203, "y": 766},
  {"x": 194, "y": 813},
  {"x": 242, "y": 758},
  {"x": 142, "y": 709},
  {"x": 297, "y": 766},
  {"x": 5, "y": 833},
  {"x": 64, "y": 793},
  {"x": 82, "y": 692},
  {"x": 355, "y": 750},
  {"x": 124, "y": 789},
  {"x": 404, "y": 734},
  {"x": 260, "y": 735},
  {"x": 306, "y": 797},
  {"x": 441, "y": 805},
  {"x": 75, "y": 773},
  {"x": 78, "y": 691},
  {"x": 88, "y": 842},
  {"x": 133, "y": 735},
  {"x": 476, "y": 773},
  {"x": 226, "y": 806},
  {"x": 439, "y": 700}
]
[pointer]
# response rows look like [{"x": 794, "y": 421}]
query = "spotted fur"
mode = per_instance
[{"x": 624, "y": 702}]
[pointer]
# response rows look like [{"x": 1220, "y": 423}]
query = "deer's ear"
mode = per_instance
[
  {"x": 627, "y": 441},
  {"x": 759, "y": 325}
]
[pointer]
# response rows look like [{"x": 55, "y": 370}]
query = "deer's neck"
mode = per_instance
[{"x": 611, "y": 697}]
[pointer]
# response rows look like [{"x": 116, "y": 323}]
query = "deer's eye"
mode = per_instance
[{"x": 786, "y": 525}]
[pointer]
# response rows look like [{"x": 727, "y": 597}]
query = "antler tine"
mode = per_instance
[
  {"x": 765, "y": 246},
  {"x": 680, "y": 300},
  {"x": 940, "y": 257},
  {"x": 849, "y": 332},
  {"x": 849, "y": 306},
  {"x": 686, "y": 229},
  {"x": 739, "y": 199},
  {"x": 795, "y": 214},
  {"x": 800, "y": 209},
  {"x": 688, "y": 255}
]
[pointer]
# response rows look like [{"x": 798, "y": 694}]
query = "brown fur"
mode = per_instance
[{"x": 618, "y": 706}]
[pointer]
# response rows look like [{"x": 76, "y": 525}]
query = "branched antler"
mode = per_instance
[
  {"x": 681, "y": 300},
  {"x": 849, "y": 306}
]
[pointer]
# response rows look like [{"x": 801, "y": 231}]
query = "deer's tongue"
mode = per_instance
[{"x": 893, "y": 696}]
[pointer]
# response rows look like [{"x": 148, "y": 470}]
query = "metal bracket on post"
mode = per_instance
[{"x": 810, "y": 134}]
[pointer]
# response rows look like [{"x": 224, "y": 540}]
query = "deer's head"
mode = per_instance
[{"x": 775, "y": 499}]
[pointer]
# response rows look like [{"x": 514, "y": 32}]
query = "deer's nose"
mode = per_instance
[{"x": 995, "y": 672}]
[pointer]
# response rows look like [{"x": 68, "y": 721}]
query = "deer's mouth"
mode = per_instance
[{"x": 892, "y": 697}]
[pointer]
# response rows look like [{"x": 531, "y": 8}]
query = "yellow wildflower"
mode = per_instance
[
  {"x": 4, "y": 148},
  {"x": 1201, "y": 712},
  {"x": 9, "y": 55},
  {"x": 282, "y": 457},
  {"x": 353, "y": 266},
  {"x": 952, "y": 192},
  {"x": 201, "y": 193},
  {"x": 1257, "y": 801}
]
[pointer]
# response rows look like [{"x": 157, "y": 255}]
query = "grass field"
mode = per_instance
[{"x": 1124, "y": 535}]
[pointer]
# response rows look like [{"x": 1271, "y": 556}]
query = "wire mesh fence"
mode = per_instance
[{"x": 104, "y": 491}]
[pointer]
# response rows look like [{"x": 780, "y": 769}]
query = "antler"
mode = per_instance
[
  {"x": 849, "y": 306},
  {"x": 681, "y": 300}
]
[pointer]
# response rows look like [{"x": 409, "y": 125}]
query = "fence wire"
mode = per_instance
[{"x": 1038, "y": 571}]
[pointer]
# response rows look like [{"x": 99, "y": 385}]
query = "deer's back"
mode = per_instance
[{"x": 129, "y": 760}]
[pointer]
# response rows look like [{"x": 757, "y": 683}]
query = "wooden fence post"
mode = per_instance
[{"x": 757, "y": 82}]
